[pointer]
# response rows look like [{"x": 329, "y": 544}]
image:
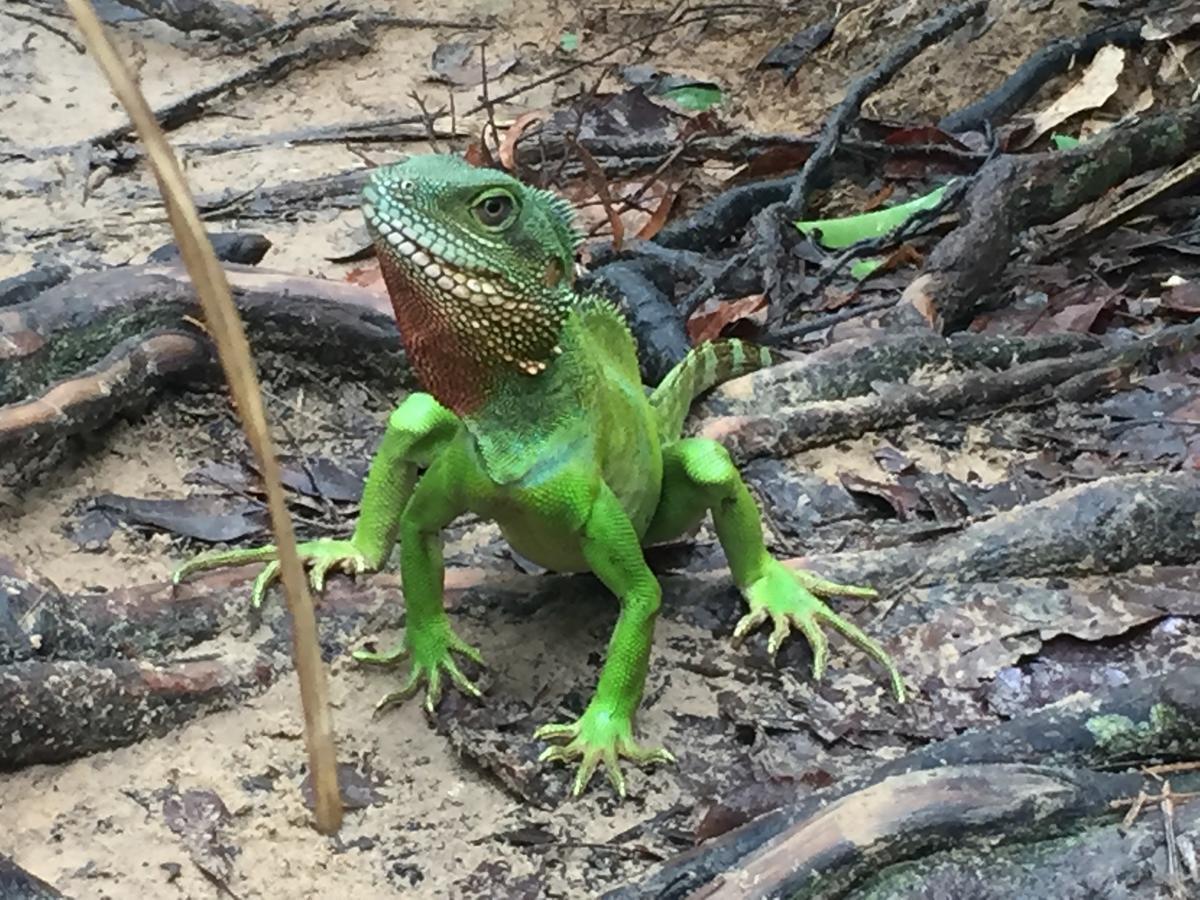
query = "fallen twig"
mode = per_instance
[
  {"x": 58, "y": 32},
  {"x": 290, "y": 27},
  {"x": 193, "y": 105}
]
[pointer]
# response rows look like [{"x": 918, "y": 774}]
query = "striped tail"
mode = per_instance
[{"x": 705, "y": 366}]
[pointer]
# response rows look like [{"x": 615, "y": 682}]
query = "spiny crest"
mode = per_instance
[{"x": 561, "y": 213}]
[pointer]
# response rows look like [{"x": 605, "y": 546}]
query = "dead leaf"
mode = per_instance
[
  {"x": 1183, "y": 298},
  {"x": 917, "y": 294},
  {"x": 904, "y": 501},
  {"x": 368, "y": 276},
  {"x": 507, "y": 153},
  {"x": 777, "y": 161},
  {"x": 636, "y": 203},
  {"x": 478, "y": 155},
  {"x": 1170, "y": 23},
  {"x": 792, "y": 53},
  {"x": 1097, "y": 84},
  {"x": 881, "y": 197},
  {"x": 1081, "y": 317},
  {"x": 457, "y": 63},
  {"x": 1175, "y": 60},
  {"x": 205, "y": 518},
  {"x": 198, "y": 817},
  {"x": 711, "y": 324},
  {"x": 658, "y": 218}
]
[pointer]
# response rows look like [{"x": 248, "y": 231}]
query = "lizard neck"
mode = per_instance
[{"x": 466, "y": 355}]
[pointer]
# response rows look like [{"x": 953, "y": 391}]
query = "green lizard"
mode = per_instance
[{"x": 536, "y": 418}]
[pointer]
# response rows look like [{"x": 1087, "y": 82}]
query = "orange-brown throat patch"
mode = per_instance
[{"x": 461, "y": 347}]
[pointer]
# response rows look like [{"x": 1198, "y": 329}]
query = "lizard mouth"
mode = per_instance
[{"x": 410, "y": 250}]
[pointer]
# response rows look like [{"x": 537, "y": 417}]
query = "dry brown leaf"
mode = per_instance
[
  {"x": 369, "y": 276},
  {"x": 658, "y": 217},
  {"x": 477, "y": 155},
  {"x": 508, "y": 147},
  {"x": 917, "y": 293},
  {"x": 600, "y": 185},
  {"x": 593, "y": 219},
  {"x": 710, "y": 324},
  {"x": 1095, "y": 86}
]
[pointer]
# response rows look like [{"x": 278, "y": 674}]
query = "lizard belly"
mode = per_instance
[{"x": 545, "y": 543}]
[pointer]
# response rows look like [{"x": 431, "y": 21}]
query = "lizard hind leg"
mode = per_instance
[{"x": 699, "y": 477}]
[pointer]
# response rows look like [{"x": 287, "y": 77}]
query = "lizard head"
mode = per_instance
[{"x": 478, "y": 266}]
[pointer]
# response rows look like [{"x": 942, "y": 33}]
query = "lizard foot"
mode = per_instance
[
  {"x": 431, "y": 651},
  {"x": 598, "y": 736},
  {"x": 790, "y": 598},
  {"x": 322, "y": 557}
]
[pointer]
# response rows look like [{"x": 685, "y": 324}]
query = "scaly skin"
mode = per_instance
[{"x": 537, "y": 419}]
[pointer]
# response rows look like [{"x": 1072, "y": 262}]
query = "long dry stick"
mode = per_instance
[{"x": 234, "y": 352}]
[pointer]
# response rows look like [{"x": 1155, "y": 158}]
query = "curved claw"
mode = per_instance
[
  {"x": 596, "y": 739},
  {"x": 268, "y": 576},
  {"x": 431, "y": 659},
  {"x": 789, "y": 598},
  {"x": 322, "y": 556}
]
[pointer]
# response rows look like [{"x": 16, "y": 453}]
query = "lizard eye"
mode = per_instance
[{"x": 495, "y": 210}]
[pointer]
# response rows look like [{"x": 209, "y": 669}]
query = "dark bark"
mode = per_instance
[
  {"x": 24, "y": 287},
  {"x": 17, "y": 884},
  {"x": 853, "y": 367},
  {"x": 1108, "y": 525},
  {"x": 53, "y": 711},
  {"x": 818, "y": 424},
  {"x": 643, "y": 289},
  {"x": 913, "y": 808}
]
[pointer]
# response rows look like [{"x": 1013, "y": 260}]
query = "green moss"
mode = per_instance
[{"x": 1119, "y": 735}]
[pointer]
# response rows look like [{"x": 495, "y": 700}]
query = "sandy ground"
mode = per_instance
[{"x": 94, "y": 827}]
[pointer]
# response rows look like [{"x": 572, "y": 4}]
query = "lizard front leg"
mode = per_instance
[
  {"x": 429, "y": 640},
  {"x": 417, "y": 432},
  {"x": 604, "y": 733},
  {"x": 698, "y": 476}
]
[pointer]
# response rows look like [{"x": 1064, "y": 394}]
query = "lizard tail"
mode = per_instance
[{"x": 705, "y": 366}]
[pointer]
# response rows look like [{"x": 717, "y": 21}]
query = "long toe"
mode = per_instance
[
  {"x": 748, "y": 623},
  {"x": 556, "y": 732}
]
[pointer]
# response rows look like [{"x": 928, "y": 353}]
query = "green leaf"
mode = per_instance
[
  {"x": 861, "y": 268},
  {"x": 696, "y": 97},
  {"x": 838, "y": 233},
  {"x": 1064, "y": 141},
  {"x": 569, "y": 41}
]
